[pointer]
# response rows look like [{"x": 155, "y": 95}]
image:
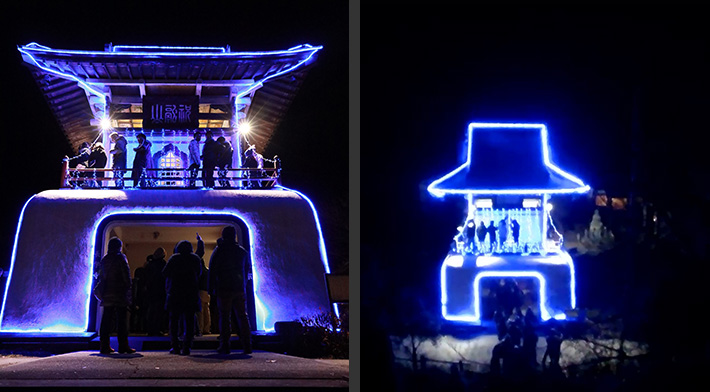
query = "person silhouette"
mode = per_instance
[
  {"x": 114, "y": 271},
  {"x": 503, "y": 230},
  {"x": 227, "y": 282},
  {"x": 481, "y": 232},
  {"x": 142, "y": 161},
  {"x": 553, "y": 351},
  {"x": 182, "y": 274},
  {"x": 530, "y": 338},
  {"x": 210, "y": 154},
  {"x": 515, "y": 229},
  {"x": 492, "y": 234},
  {"x": 470, "y": 231}
]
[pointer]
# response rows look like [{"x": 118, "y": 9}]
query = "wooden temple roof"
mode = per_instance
[{"x": 77, "y": 84}]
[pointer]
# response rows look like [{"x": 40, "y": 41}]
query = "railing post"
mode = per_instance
[{"x": 65, "y": 174}]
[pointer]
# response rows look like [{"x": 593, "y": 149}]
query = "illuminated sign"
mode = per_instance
[{"x": 170, "y": 112}]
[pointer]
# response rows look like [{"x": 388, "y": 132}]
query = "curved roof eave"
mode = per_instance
[
  {"x": 84, "y": 68},
  {"x": 460, "y": 181}
]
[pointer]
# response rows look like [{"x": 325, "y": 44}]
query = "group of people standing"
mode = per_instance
[
  {"x": 88, "y": 157},
  {"x": 516, "y": 351},
  {"x": 216, "y": 154},
  {"x": 472, "y": 238},
  {"x": 185, "y": 276}
]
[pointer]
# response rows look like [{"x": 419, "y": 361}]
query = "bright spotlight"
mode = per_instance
[
  {"x": 105, "y": 123},
  {"x": 244, "y": 127}
]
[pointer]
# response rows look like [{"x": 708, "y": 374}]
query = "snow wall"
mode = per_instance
[{"x": 59, "y": 239}]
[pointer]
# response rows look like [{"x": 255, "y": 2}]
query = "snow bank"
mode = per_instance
[{"x": 56, "y": 246}]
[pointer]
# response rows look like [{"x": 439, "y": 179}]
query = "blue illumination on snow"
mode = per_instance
[
  {"x": 502, "y": 268},
  {"x": 59, "y": 319},
  {"x": 434, "y": 189},
  {"x": 12, "y": 263},
  {"x": 475, "y": 316},
  {"x": 321, "y": 241}
]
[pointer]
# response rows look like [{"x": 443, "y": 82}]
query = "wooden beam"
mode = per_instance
[
  {"x": 182, "y": 82},
  {"x": 204, "y": 99},
  {"x": 201, "y": 116}
]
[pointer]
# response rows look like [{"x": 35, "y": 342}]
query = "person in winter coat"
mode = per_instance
[
  {"x": 194, "y": 156},
  {"x": 155, "y": 293},
  {"x": 115, "y": 273},
  {"x": 210, "y": 155},
  {"x": 227, "y": 283},
  {"x": 182, "y": 276},
  {"x": 98, "y": 160},
  {"x": 119, "y": 152},
  {"x": 224, "y": 160},
  {"x": 142, "y": 160}
]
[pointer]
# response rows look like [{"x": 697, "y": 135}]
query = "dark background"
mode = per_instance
[
  {"x": 623, "y": 91},
  {"x": 312, "y": 139}
]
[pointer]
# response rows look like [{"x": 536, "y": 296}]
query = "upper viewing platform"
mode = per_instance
[
  {"x": 507, "y": 179},
  {"x": 151, "y": 101}
]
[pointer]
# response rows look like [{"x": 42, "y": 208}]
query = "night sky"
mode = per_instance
[{"x": 312, "y": 139}]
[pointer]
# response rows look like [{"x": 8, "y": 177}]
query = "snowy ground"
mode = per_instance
[{"x": 475, "y": 353}]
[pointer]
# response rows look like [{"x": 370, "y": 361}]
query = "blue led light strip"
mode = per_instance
[
  {"x": 96, "y": 89},
  {"x": 86, "y": 86},
  {"x": 12, "y": 259},
  {"x": 296, "y": 49},
  {"x": 457, "y": 261},
  {"x": 261, "y": 309},
  {"x": 440, "y": 192},
  {"x": 321, "y": 241}
]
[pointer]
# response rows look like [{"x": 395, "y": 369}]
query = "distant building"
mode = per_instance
[{"x": 508, "y": 181}]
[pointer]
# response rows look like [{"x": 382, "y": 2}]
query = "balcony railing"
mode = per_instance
[{"x": 168, "y": 178}]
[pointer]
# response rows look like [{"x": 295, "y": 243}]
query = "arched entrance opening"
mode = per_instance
[{"x": 143, "y": 233}]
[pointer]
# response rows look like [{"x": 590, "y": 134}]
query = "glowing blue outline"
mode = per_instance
[
  {"x": 437, "y": 192},
  {"x": 34, "y": 46},
  {"x": 259, "y": 305},
  {"x": 476, "y": 317},
  {"x": 82, "y": 83},
  {"x": 261, "y": 310},
  {"x": 12, "y": 259},
  {"x": 566, "y": 258},
  {"x": 321, "y": 241},
  {"x": 544, "y": 312},
  {"x": 88, "y": 86},
  {"x": 114, "y": 47}
]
